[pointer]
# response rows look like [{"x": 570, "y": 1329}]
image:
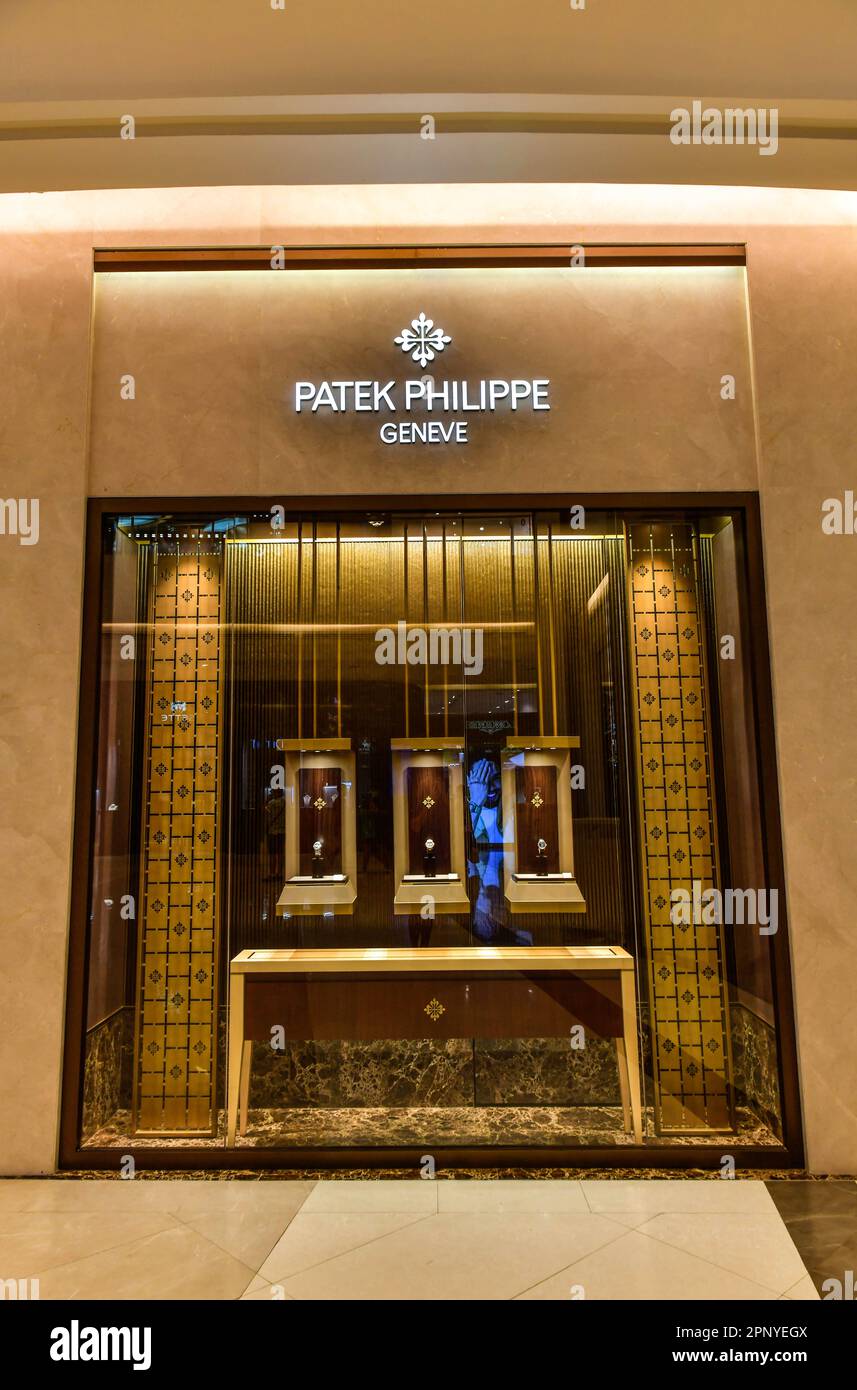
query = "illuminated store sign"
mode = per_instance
[{"x": 422, "y": 342}]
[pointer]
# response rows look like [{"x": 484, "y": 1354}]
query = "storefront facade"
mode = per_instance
[{"x": 437, "y": 612}]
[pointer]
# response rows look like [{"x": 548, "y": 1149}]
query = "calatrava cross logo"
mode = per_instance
[{"x": 422, "y": 340}]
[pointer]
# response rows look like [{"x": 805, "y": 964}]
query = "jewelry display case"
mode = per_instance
[
  {"x": 321, "y": 834},
  {"x": 539, "y": 854},
  {"x": 428, "y": 825}
]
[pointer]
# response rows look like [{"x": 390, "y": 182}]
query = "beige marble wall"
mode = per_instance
[
  {"x": 44, "y": 329},
  {"x": 802, "y": 250}
]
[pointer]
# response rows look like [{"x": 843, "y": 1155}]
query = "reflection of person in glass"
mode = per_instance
[
  {"x": 485, "y": 861},
  {"x": 486, "y": 824},
  {"x": 483, "y": 789}
]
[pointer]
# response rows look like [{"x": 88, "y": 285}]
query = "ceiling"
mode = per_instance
[{"x": 235, "y": 91}]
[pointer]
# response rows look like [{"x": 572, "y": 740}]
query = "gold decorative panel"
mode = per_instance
[
  {"x": 176, "y": 1034},
  {"x": 687, "y": 988}
]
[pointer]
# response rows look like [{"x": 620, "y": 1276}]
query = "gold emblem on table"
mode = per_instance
[
  {"x": 537, "y": 799},
  {"x": 434, "y": 1009},
  {"x": 319, "y": 803},
  {"x": 428, "y": 802}
]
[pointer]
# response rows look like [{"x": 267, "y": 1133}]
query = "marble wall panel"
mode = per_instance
[{"x": 44, "y": 337}]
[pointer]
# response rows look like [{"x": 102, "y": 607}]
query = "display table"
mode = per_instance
[{"x": 432, "y": 992}]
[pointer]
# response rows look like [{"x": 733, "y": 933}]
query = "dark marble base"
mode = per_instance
[
  {"x": 545, "y": 1071},
  {"x": 491, "y": 1126},
  {"x": 459, "y": 1072},
  {"x": 458, "y": 1125},
  {"x": 345, "y": 1075},
  {"x": 781, "y": 1177},
  {"x": 107, "y": 1070},
  {"x": 535, "y": 1092},
  {"x": 754, "y": 1059}
]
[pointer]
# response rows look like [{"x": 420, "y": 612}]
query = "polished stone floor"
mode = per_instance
[
  {"x": 821, "y": 1219},
  {"x": 412, "y": 1239}
]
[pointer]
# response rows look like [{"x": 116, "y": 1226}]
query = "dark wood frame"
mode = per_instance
[
  {"x": 73, "y": 1156},
  {"x": 377, "y": 257}
]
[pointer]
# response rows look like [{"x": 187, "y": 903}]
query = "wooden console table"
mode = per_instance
[{"x": 433, "y": 992}]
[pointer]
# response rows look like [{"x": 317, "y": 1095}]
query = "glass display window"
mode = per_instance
[{"x": 428, "y": 832}]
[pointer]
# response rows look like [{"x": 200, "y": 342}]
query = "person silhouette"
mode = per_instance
[{"x": 485, "y": 861}]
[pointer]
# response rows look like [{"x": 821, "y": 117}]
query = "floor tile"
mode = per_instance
[
  {"x": 821, "y": 1219},
  {"x": 638, "y": 1267},
  {"x": 513, "y": 1195},
  {"x": 313, "y": 1237},
  {"x": 837, "y": 1274},
  {"x": 96, "y": 1195},
  {"x": 824, "y": 1244},
  {"x": 31, "y": 1241},
  {"x": 257, "y": 1284},
  {"x": 387, "y": 1194},
  {"x": 682, "y": 1194},
  {"x": 454, "y": 1256},
  {"x": 174, "y": 1264},
  {"x": 757, "y": 1247},
  {"x": 16, "y": 1194},
  {"x": 184, "y": 1196},
  {"x": 269, "y": 1294},
  {"x": 804, "y": 1197},
  {"x": 804, "y": 1291},
  {"x": 425, "y": 1240},
  {"x": 261, "y": 1198},
  {"x": 630, "y": 1220},
  {"x": 248, "y": 1235}
]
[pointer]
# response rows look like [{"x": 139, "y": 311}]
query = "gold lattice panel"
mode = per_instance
[
  {"x": 687, "y": 988},
  {"x": 177, "y": 943}
]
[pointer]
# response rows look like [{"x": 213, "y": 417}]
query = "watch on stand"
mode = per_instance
[
  {"x": 321, "y": 828},
  {"x": 428, "y": 826},
  {"x": 537, "y": 817}
]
